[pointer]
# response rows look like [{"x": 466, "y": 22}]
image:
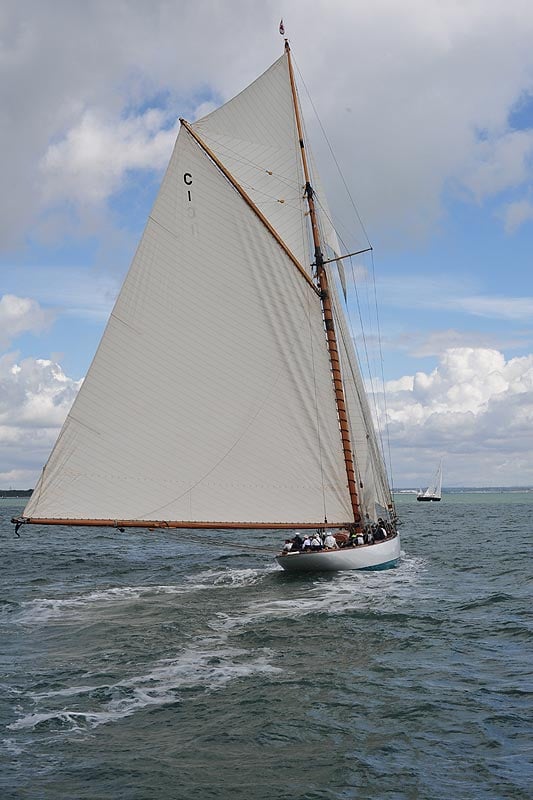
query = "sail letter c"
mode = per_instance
[{"x": 187, "y": 178}]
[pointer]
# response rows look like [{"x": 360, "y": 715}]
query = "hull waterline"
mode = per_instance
[{"x": 380, "y": 555}]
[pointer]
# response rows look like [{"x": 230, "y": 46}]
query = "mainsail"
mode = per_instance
[{"x": 209, "y": 401}]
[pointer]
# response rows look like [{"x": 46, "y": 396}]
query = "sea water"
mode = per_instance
[{"x": 144, "y": 665}]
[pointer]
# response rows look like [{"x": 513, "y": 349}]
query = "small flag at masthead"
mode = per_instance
[{"x": 282, "y": 28}]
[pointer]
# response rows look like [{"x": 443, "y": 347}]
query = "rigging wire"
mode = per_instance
[
  {"x": 356, "y": 211},
  {"x": 294, "y": 199},
  {"x": 240, "y": 159},
  {"x": 385, "y": 410},
  {"x": 333, "y": 155}
]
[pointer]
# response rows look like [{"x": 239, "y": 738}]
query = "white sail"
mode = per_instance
[
  {"x": 255, "y": 136},
  {"x": 210, "y": 397},
  {"x": 435, "y": 488}
]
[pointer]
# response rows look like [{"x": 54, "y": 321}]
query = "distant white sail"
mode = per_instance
[{"x": 434, "y": 490}]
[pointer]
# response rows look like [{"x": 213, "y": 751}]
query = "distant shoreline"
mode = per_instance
[
  {"x": 450, "y": 490},
  {"x": 471, "y": 489}
]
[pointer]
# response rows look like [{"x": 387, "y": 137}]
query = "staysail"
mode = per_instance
[{"x": 209, "y": 401}]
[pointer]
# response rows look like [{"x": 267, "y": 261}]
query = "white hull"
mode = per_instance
[{"x": 380, "y": 555}]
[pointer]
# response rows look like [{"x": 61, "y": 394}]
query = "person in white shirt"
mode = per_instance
[
  {"x": 330, "y": 542},
  {"x": 316, "y": 542}
]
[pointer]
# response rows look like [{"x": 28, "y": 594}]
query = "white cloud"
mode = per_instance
[
  {"x": 89, "y": 162},
  {"x": 403, "y": 108},
  {"x": 475, "y": 409},
  {"x": 515, "y": 214},
  {"x": 35, "y": 393},
  {"x": 475, "y": 403},
  {"x": 20, "y": 315},
  {"x": 498, "y": 307},
  {"x": 502, "y": 162},
  {"x": 35, "y": 397}
]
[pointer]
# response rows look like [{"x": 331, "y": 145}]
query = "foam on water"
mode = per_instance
[
  {"x": 45, "y": 609},
  {"x": 340, "y": 593},
  {"x": 209, "y": 665},
  {"x": 229, "y": 577}
]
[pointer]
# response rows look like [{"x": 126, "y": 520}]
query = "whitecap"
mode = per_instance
[
  {"x": 44, "y": 609},
  {"x": 208, "y": 666},
  {"x": 229, "y": 577},
  {"x": 339, "y": 593}
]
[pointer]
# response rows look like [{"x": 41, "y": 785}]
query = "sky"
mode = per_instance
[{"x": 428, "y": 108}]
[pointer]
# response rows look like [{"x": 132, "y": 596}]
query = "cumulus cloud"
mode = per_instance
[
  {"x": 419, "y": 100},
  {"x": 21, "y": 315},
  {"x": 35, "y": 397},
  {"x": 501, "y": 162},
  {"x": 425, "y": 79},
  {"x": 475, "y": 410},
  {"x": 89, "y": 162},
  {"x": 423, "y": 103},
  {"x": 473, "y": 403}
]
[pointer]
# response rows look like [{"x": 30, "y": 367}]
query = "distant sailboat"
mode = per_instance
[
  {"x": 434, "y": 491},
  {"x": 225, "y": 392}
]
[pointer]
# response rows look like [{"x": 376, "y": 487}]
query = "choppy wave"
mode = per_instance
[
  {"x": 411, "y": 680},
  {"x": 208, "y": 666},
  {"x": 46, "y": 609},
  {"x": 337, "y": 594},
  {"x": 229, "y": 577}
]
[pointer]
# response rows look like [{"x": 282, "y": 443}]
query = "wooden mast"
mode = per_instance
[{"x": 327, "y": 309}]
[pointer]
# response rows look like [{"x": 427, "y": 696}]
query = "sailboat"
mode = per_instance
[
  {"x": 434, "y": 491},
  {"x": 225, "y": 392}
]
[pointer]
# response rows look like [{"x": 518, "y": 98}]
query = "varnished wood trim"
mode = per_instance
[{"x": 141, "y": 523}]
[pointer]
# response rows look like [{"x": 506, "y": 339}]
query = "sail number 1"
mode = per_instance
[{"x": 191, "y": 213}]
